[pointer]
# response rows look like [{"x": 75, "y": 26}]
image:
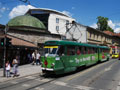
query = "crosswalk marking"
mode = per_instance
[
  {"x": 45, "y": 80},
  {"x": 79, "y": 87},
  {"x": 38, "y": 79},
  {"x": 84, "y": 87},
  {"x": 118, "y": 87},
  {"x": 26, "y": 85},
  {"x": 38, "y": 88},
  {"x": 60, "y": 83},
  {"x": 14, "y": 82},
  {"x": 73, "y": 86},
  {"x": 30, "y": 77}
]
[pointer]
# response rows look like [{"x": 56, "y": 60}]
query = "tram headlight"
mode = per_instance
[{"x": 52, "y": 65}]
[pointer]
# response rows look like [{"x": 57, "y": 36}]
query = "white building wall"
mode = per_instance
[
  {"x": 78, "y": 32},
  {"x": 62, "y": 23}
]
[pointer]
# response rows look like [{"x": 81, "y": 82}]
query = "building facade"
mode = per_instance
[
  {"x": 30, "y": 29},
  {"x": 85, "y": 34},
  {"x": 98, "y": 37},
  {"x": 77, "y": 32},
  {"x": 27, "y": 34},
  {"x": 115, "y": 47},
  {"x": 54, "y": 21}
]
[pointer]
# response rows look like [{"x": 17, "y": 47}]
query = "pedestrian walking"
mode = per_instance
[
  {"x": 15, "y": 67},
  {"x": 29, "y": 57},
  {"x": 8, "y": 68},
  {"x": 33, "y": 58},
  {"x": 37, "y": 58}
]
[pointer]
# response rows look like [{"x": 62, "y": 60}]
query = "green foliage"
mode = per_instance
[
  {"x": 110, "y": 29},
  {"x": 102, "y": 24}
]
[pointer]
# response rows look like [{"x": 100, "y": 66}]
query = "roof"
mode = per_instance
[
  {"x": 56, "y": 42},
  {"x": 109, "y": 32},
  {"x": 26, "y": 20},
  {"x": 46, "y": 10},
  {"x": 19, "y": 42},
  {"x": 112, "y": 33},
  {"x": 28, "y": 28}
]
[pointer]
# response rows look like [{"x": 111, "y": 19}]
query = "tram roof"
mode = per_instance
[{"x": 61, "y": 42}]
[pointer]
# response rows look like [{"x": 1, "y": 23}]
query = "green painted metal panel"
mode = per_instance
[{"x": 64, "y": 64}]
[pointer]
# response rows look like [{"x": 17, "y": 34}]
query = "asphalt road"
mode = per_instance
[{"x": 103, "y": 76}]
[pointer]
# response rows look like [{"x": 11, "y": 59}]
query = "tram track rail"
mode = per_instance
[
  {"x": 4, "y": 86},
  {"x": 54, "y": 78}
]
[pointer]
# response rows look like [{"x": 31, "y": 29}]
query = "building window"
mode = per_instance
[
  {"x": 67, "y": 22},
  {"x": 97, "y": 36},
  {"x": 94, "y": 36},
  {"x": 57, "y": 20},
  {"x": 90, "y": 35},
  {"x": 57, "y": 28}
]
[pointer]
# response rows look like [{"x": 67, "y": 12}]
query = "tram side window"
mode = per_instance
[
  {"x": 96, "y": 50},
  {"x": 108, "y": 50},
  {"x": 71, "y": 50},
  {"x": 100, "y": 50},
  {"x": 93, "y": 50},
  {"x": 61, "y": 51},
  {"x": 104, "y": 50},
  {"x": 89, "y": 50},
  {"x": 84, "y": 50},
  {"x": 79, "y": 50}
]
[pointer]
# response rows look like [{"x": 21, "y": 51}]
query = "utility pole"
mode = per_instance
[{"x": 4, "y": 59}]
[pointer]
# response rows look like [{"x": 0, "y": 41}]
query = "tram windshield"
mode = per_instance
[{"x": 50, "y": 50}]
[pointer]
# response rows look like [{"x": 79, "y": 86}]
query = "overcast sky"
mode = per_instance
[{"x": 83, "y": 11}]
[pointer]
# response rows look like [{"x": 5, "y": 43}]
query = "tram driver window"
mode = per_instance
[{"x": 61, "y": 50}]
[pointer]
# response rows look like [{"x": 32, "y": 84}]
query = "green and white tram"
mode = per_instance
[{"x": 65, "y": 56}]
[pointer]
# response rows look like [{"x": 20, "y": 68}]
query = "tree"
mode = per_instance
[
  {"x": 110, "y": 29},
  {"x": 102, "y": 24}
]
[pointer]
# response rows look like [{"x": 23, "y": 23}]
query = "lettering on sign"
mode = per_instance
[
  {"x": 93, "y": 57},
  {"x": 81, "y": 60},
  {"x": 76, "y": 60},
  {"x": 71, "y": 61}
]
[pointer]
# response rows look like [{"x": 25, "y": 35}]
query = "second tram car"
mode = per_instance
[
  {"x": 115, "y": 51},
  {"x": 66, "y": 56}
]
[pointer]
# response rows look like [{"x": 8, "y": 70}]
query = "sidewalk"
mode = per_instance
[{"x": 24, "y": 70}]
